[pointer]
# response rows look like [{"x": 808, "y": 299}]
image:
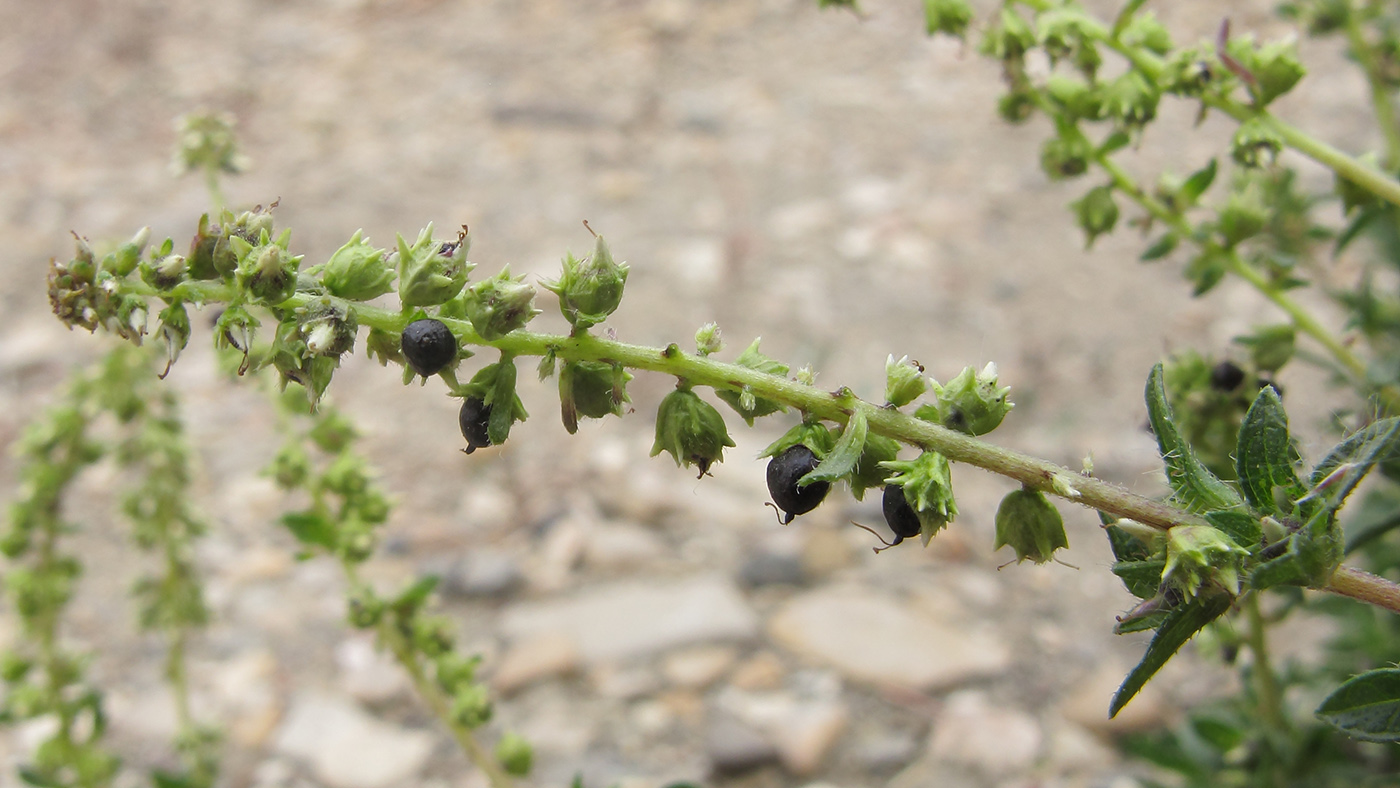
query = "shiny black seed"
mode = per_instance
[
  {"x": 899, "y": 515},
  {"x": 428, "y": 345},
  {"x": 1227, "y": 376},
  {"x": 474, "y": 418},
  {"x": 784, "y": 471}
]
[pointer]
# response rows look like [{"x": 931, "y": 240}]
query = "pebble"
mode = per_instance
[
  {"x": 632, "y": 619},
  {"x": 762, "y": 568},
  {"x": 762, "y": 671},
  {"x": 807, "y": 735},
  {"x": 734, "y": 747},
  {"x": 621, "y": 546},
  {"x": 698, "y": 667},
  {"x": 533, "y": 659},
  {"x": 482, "y": 573},
  {"x": 992, "y": 739},
  {"x": 368, "y": 674},
  {"x": 347, "y": 748},
  {"x": 873, "y": 637}
]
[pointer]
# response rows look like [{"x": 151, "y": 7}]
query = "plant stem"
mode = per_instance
[
  {"x": 1363, "y": 586},
  {"x": 1265, "y": 682},
  {"x": 432, "y": 694},
  {"x": 1365, "y": 54}
]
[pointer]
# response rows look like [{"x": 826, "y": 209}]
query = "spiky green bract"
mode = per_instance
[
  {"x": 928, "y": 487},
  {"x": 432, "y": 272},
  {"x": 1031, "y": 525},
  {"x": 592, "y": 389},
  {"x": 814, "y": 435},
  {"x": 589, "y": 289},
  {"x": 691, "y": 430},
  {"x": 970, "y": 403},
  {"x": 742, "y": 400},
  {"x": 515, "y": 754},
  {"x": 357, "y": 271},
  {"x": 904, "y": 381},
  {"x": 494, "y": 385},
  {"x": 870, "y": 470},
  {"x": 1201, "y": 555},
  {"x": 499, "y": 305},
  {"x": 266, "y": 272},
  {"x": 327, "y": 326}
]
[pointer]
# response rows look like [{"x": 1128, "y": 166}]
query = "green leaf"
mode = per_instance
[
  {"x": 1161, "y": 248},
  {"x": 1195, "y": 487},
  {"x": 1142, "y": 578},
  {"x": 1197, "y": 183},
  {"x": 1366, "y": 707},
  {"x": 311, "y": 528},
  {"x": 1114, "y": 142},
  {"x": 1242, "y": 527},
  {"x": 1180, "y": 626},
  {"x": 1377, "y": 442},
  {"x": 1362, "y": 220},
  {"x": 843, "y": 456},
  {"x": 30, "y": 776},
  {"x": 1263, "y": 457},
  {"x": 416, "y": 594}
]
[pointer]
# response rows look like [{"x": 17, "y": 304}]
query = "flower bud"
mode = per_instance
[
  {"x": 1131, "y": 99},
  {"x": 128, "y": 255},
  {"x": 1276, "y": 69},
  {"x": 1255, "y": 144},
  {"x": 364, "y": 609},
  {"x": 970, "y": 403},
  {"x": 1016, "y": 105},
  {"x": 357, "y": 271},
  {"x": 266, "y": 272},
  {"x": 200, "y": 258},
  {"x": 691, "y": 430},
  {"x": 590, "y": 289},
  {"x": 328, "y": 327},
  {"x": 927, "y": 484},
  {"x": 452, "y": 670},
  {"x": 708, "y": 340},
  {"x": 164, "y": 270},
  {"x": 904, "y": 381},
  {"x": 290, "y": 468},
  {"x": 1244, "y": 215},
  {"x": 1200, "y": 555},
  {"x": 1079, "y": 100},
  {"x": 743, "y": 400},
  {"x": 950, "y": 17},
  {"x": 515, "y": 754},
  {"x": 1096, "y": 212},
  {"x": 1008, "y": 38},
  {"x": 432, "y": 272},
  {"x": 174, "y": 332},
  {"x": 1028, "y": 522},
  {"x": 207, "y": 142},
  {"x": 471, "y": 706},
  {"x": 500, "y": 305},
  {"x": 592, "y": 389},
  {"x": 1066, "y": 155}
]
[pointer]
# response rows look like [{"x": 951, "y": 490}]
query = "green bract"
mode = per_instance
[
  {"x": 1031, "y": 525},
  {"x": 432, "y": 272},
  {"x": 927, "y": 482},
  {"x": 691, "y": 430},
  {"x": 357, "y": 271},
  {"x": 1198, "y": 555},
  {"x": 904, "y": 381},
  {"x": 970, "y": 403},
  {"x": 590, "y": 289},
  {"x": 743, "y": 400},
  {"x": 267, "y": 272},
  {"x": 592, "y": 389},
  {"x": 499, "y": 305}
]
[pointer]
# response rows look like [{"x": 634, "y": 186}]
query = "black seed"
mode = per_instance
[
  {"x": 899, "y": 515},
  {"x": 783, "y": 472},
  {"x": 475, "y": 416},
  {"x": 428, "y": 345},
  {"x": 1227, "y": 376}
]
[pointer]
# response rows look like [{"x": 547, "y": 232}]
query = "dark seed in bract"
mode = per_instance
[
  {"x": 474, "y": 418},
  {"x": 428, "y": 345},
  {"x": 784, "y": 471}
]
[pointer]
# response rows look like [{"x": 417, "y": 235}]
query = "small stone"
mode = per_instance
[
  {"x": 483, "y": 573},
  {"x": 367, "y": 674},
  {"x": 873, "y": 637},
  {"x": 884, "y": 750},
  {"x": 762, "y": 568},
  {"x": 806, "y": 736},
  {"x": 621, "y": 547},
  {"x": 533, "y": 659},
  {"x": 762, "y": 671},
  {"x": 627, "y": 620},
  {"x": 698, "y": 667},
  {"x": 733, "y": 747},
  {"x": 347, "y": 748},
  {"x": 624, "y": 682},
  {"x": 994, "y": 740}
]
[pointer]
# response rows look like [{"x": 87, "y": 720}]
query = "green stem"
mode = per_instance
[
  {"x": 1364, "y": 587},
  {"x": 432, "y": 694},
  {"x": 1265, "y": 682},
  {"x": 1365, "y": 54},
  {"x": 216, "y": 193}
]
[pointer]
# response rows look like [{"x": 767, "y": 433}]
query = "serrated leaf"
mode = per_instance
[
  {"x": 311, "y": 528},
  {"x": 1242, "y": 527},
  {"x": 842, "y": 458},
  {"x": 1197, "y": 183},
  {"x": 1263, "y": 458},
  {"x": 1195, "y": 487},
  {"x": 1181, "y": 624},
  {"x": 1160, "y": 248},
  {"x": 1366, "y": 707},
  {"x": 1141, "y": 578},
  {"x": 1114, "y": 142}
]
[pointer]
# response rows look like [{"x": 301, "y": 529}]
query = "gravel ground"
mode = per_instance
[{"x": 839, "y": 186}]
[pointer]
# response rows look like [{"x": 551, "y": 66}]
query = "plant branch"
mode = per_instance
[
  {"x": 1365, "y": 587},
  {"x": 1365, "y": 55}
]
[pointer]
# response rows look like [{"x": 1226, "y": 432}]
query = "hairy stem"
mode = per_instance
[{"x": 1365, "y": 587}]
